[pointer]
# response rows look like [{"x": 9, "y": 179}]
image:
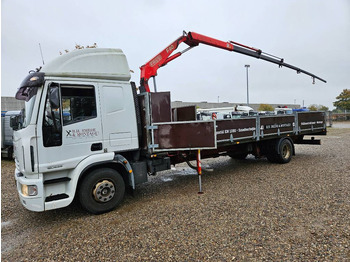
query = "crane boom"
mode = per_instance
[{"x": 193, "y": 39}]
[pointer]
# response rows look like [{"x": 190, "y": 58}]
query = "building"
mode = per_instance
[
  {"x": 205, "y": 105},
  {"x": 11, "y": 104}
]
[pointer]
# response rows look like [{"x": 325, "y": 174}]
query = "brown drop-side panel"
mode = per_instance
[
  {"x": 185, "y": 113},
  {"x": 186, "y": 135},
  {"x": 309, "y": 120},
  {"x": 237, "y": 128},
  {"x": 161, "y": 107},
  {"x": 271, "y": 125}
]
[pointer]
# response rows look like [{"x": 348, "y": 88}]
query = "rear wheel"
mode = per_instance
[
  {"x": 286, "y": 151},
  {"x": 101, "y": 190},
  {"x": 281, "y": 151}
]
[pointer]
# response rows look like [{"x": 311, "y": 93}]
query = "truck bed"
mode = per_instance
[{"x": 164, "y": 135}]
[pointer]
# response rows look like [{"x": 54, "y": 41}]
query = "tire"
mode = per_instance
[
  {"x": 285, "y": 151},
  {"x": 101, "y": 191},
  {"x": 281, "y": 152}
]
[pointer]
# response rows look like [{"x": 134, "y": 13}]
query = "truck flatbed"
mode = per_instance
[{"x": 225, "y": 135}]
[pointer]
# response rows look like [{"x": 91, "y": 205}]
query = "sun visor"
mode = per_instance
[{"x": 29, "y": 86}]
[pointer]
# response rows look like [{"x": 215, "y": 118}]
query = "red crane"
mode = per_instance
[{"x": 193, "y": 39}]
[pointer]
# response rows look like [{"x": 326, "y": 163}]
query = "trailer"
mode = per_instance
[
  {"x": 88, "y": 132},
  {"x": 7, "y": 133}
]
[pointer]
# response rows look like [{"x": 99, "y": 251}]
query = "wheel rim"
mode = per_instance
[
  {"x": 104, "y": 191},
  {"x": 286, "y": 152}
]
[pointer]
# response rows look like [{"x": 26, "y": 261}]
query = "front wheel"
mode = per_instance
[{"x": 101, "y": 190}]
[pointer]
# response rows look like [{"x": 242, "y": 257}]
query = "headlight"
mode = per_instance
[{"x": 29, "y": 190}]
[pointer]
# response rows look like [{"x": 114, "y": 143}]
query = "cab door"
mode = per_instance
[{"x": 69, "y": 129}]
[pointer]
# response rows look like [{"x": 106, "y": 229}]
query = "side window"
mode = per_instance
[
  {"x": 52, "y": 127},
  {"x": 78, "y": 103}
]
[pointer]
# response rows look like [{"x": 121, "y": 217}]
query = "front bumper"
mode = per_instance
[{"x": 33, "y": 203}]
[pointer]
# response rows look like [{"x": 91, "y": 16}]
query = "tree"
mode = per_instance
[
  {"x": 318, "y": 108},
  {"x": 323, "y": 108},
  {"x": 266, "y": 107},
  {"x": 343, "y": 100},
  {"x": 312, "y": 107}
]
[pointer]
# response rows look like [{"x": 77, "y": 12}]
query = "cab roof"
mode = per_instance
[{"x": 101, "y": 63}]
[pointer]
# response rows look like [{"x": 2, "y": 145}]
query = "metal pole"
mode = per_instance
[
  {"x": 247, "y": 66},
  {"x": 41, "y": 52},
  {"x": 154, "y": 83},
  {"x": 199, "y": 170}
]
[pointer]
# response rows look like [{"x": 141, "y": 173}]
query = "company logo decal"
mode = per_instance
[{"x": 82, "y": 133}]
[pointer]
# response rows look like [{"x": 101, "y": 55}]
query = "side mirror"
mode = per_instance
[
  {"x": 14, "y": 122},
  {"x": 54, "y": 97}
]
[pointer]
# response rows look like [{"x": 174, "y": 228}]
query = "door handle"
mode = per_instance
[{"x": 96, "y": 147}]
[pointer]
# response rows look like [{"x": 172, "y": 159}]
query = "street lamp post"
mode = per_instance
[{"x": 247, "y": 66}]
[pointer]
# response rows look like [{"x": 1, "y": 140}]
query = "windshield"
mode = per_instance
[{"x": 28, "y": 111}]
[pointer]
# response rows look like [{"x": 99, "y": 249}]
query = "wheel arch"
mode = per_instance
[
  {"x": 94, "y": 162},
  {"x": 112, "y": 164}
]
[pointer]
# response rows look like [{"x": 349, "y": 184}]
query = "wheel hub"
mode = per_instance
[
  {"x": 104, "y": 191},
  {"x": 286, "y": 152}
]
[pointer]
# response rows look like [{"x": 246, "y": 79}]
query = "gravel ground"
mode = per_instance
[{"x": 251, "y": 210}]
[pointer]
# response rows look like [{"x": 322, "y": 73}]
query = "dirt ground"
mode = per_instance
[{"x": 251, "y": 210}]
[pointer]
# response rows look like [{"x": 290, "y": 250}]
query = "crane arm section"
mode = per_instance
[{"x": 193, "y": 39}]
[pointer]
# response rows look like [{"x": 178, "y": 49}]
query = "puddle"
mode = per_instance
[
  {"x": 185, "y": 172},
  {"x": 167, "y": 179},
  {"x": 341, "y": 124},
  {"x": 10, "y": 241},
  {"x": 6, "y": 223}
]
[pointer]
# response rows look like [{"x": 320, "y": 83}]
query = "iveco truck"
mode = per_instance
[{"x": 87, "y": 132}]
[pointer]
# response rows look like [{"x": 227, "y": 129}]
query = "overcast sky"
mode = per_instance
[{"x": 313, "y": 35}]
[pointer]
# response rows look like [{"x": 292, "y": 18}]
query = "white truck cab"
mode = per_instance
[{"x": 75, "y": 115}]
